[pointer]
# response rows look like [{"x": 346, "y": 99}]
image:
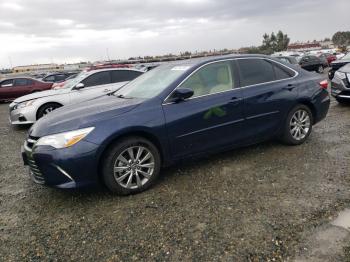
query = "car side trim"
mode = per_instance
[{"x": 212, "y": 127}]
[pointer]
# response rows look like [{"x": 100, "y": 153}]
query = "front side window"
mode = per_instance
[
  {"x": 100, "y": 78},
  {"x": 49, "y": 79},
  {"x": 124, "y": 75},
  {"x": 255, "y": 71},
  {"x": 7, "y": 83},
  {"x": 210, "y": 79}
]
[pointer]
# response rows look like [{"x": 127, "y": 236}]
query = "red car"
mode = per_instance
[
  {"x": 13, "y": 88},
  {"x": 329, "y": 57}
]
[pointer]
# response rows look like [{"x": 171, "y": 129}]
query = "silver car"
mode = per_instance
[{"x": 87, "y": 85}]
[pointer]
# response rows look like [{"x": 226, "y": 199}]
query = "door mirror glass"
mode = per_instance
[
  {"x": 79, "y": 86},
  {"x": 181, "y": 94}
]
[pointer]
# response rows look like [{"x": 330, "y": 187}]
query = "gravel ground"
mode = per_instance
[{"x": 258, "y": 203}]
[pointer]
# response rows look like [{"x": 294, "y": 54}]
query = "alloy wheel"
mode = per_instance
[
  {"x": 48, "y": 110},
  {"x": 300, "y": 124},
  {"x": 134, "y": 167}
]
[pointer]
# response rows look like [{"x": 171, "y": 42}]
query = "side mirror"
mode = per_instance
[
  {"x": 181, "y": 94},
  {"x": 79, "y": 86}
]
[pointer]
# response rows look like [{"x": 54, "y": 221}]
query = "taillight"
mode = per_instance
[{"x": 324, "y": 84}]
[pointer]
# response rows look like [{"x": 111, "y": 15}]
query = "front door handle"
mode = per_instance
[{"x": 107, "y": 90}]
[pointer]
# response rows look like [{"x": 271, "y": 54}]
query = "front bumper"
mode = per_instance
[
  {"x": 340, "y": 88},
  {"x": 22, "y": 116},
  {"x": 73, "y": 167}
]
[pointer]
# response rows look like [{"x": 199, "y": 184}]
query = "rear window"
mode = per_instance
[{"x": 23, "y": 82}]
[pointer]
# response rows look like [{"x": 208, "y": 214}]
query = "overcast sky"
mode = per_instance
[{"x": 44, "y": 31}]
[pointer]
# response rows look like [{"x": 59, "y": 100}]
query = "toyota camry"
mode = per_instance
[{"x": 175, "y": 111}]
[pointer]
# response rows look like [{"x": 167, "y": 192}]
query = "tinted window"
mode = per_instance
[
  {"x": 284, "y": 59},
  {"x": 213, "y": 78},
  {"x": 282, "y": 72},
  {"x": 22, "y": 82},
  {"x": 255, "y": 71},
  {"x": 124, "y": 75},
  {"x": 101, "y": 78},
  {"x": 60, "y": 77},
  {"x": 7, "y": 83},
  {"x": 49, "y": 79}
]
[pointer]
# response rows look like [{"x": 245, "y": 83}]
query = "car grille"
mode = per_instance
[{"x": 34, "y": 169}]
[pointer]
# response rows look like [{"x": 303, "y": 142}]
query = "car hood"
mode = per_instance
[
  {"x": 345, "y": 69},
  {"x": 82, "y": 115},
  {"x": 41, "y": 94}
]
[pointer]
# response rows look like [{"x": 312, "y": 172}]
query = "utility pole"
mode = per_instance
[{"x": 107, "y": 52}]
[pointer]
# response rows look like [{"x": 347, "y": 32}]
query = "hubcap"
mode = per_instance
[
  {"x": 134, "y": 167},
  {"x": 300, "y": 124},
  {"x": 48, "y": 110}
]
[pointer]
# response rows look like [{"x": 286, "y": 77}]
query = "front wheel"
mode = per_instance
[
  {"x": 131, "y": 166},
  {"x": 298, "y": 125}
]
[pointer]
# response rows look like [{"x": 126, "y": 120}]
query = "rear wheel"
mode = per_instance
[
  {"x": 131, "y": 166},
  {"x": 298, "y": 125},
  {"x": 47, "y": 108}
]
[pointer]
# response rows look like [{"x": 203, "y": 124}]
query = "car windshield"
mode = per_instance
[
  {"x": 72, "y": 82},
  {"x": 347, "y": 56},
  {"x": 153, "y": 82}
]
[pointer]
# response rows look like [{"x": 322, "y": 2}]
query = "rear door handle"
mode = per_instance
[{"x": 107, "y": 90}]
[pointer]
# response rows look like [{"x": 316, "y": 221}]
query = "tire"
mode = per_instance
[
  {"x": 294, "y": 122},
  {"x": 117, "y": 164},
  {"x": 45, "y": 109},
  {"x": 320, "y": 69}
]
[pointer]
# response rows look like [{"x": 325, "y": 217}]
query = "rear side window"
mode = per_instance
[
  {"x": 100, "y": 78},
  {"x": 255, "y": 71},
  {"x": 124, "y": 75},
  {"x": 22, "y": 82},
  {"x": 282, "y": 72}
]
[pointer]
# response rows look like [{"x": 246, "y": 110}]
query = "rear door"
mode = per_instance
[
  {"x": 268, "y": 92},
  {"x": 94, "y": 85}
]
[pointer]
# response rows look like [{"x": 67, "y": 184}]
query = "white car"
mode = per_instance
[{"x": 87, "y": 85}]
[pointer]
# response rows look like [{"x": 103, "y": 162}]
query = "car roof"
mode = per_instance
[
  {"x": 113, "y": 69},
  {"x": 19, "y": 77},
  {"x": 208, "y": 59}
]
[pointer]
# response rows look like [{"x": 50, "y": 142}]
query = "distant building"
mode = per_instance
[
  {"x": 303, "y": 47},
  {"x": 37, "y": 68}
]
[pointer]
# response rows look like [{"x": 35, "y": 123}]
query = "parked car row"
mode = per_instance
[
  {"x": 307, "y": 62},
  {"x": 87, "y": 85},
  {"x": 121, "y": 134}
]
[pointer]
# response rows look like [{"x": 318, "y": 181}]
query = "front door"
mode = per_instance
[{"x": 212, "y": 118}]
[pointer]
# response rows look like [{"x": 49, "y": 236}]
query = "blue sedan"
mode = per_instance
[{"x": 176, "y": 111}]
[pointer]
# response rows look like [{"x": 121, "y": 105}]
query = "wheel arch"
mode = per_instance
[
  {"x": 311, "y": 106},
  {"x": 46, "y": 103}
]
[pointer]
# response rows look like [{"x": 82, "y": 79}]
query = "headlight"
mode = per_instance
[
  {"x": 340, "y": 75},
  {"x": 65, "y": 139},
  {"x": 24, "y": 104}
]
